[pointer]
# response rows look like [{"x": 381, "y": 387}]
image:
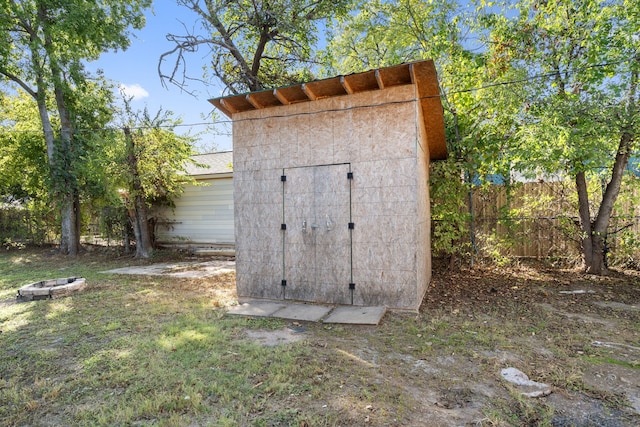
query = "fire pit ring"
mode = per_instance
[{"x": 51, "y": 289}]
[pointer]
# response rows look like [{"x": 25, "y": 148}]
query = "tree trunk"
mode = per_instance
[
  {"x": 594, "y": 241},
  {"x": 144, "y": 247},
  {"x": 78, "y": 214},
  {"x": 585, "y": 219},
  {"x": 65, "y": 183},
  {"x": 46, "y": 127},
  {"x": 67, "y": 226},
  {"x": 67, "y": 194},
  {"x": 65, "y": 191},
  {"x": 138, "y": 206},
  {"x": 594, "y": 234},
  {"x": 597, "y": 265},
  {"x": 126, "y": 238},
  {"x": 601, "y": 224},
  {"x": 135, "y": 224}
]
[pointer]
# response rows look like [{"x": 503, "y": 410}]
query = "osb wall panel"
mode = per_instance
[
  {"x": 423, "y": 253},
  {"x": 377, "y": 134}
]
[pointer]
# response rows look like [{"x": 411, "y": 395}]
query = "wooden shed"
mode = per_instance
[
  {"x": 203, "y": 215},
  {"x": 331, "y": 189}
]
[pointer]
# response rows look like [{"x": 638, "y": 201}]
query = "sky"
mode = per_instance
[{"x": 136, "y": 70}]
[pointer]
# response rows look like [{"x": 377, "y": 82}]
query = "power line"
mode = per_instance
[
  {"x": 544, "y": 75},
  {"x": 443, "y": 95}
]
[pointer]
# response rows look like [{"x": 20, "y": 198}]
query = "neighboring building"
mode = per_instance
[
  {"x": 203, "y": 214},
  {"x": 331, "y": 187}
]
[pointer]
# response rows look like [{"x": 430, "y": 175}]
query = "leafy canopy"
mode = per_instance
[{"x": 252, "y": 44}]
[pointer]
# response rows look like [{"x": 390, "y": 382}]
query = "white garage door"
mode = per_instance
[{"x": 202, "y": 215}]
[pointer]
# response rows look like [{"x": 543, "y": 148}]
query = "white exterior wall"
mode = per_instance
[{"x": 202, "y": 215}]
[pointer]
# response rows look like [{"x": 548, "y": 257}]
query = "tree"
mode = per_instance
[
  {"x": 579, "y": 112},
  {"x": 42, "y": 46},
  {"x": 552, "y": 88},
  {"x": 384, "y": 33},
  {"x": 151, "y": 168},
  {"x": 253, "y": 44},
  {"x": 22, "y": 162},
  {"x": 22, "y": 154}
]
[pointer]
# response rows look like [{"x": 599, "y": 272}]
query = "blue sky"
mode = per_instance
[{"x": 137, "y": 70}]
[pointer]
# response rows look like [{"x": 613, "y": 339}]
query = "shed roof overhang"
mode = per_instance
[{"x": 422, "y": 74}]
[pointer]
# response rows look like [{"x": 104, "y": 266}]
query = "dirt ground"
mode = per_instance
[
  {"x": 581, "y": 336},
  {"x": 577, "y": 334}
]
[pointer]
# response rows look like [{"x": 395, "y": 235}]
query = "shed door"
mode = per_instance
[{"x": 317, "y": 239}]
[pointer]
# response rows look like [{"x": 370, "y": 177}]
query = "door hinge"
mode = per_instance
[
  {"x": 349, "y": 175},
  {"x": 352, "y": 226},
  {"x": 283, "y": 226},
  {"x": 283, "y": 178}
]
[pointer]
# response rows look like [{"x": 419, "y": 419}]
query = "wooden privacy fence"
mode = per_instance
[{"x": 539, "y": 219}]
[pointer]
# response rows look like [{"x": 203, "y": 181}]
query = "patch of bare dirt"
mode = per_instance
[
  {"x": 580, "y": 333},
  {"x": 274, "y": 338}
]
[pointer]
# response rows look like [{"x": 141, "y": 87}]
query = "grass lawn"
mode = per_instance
[{"x": 153, "y": 350}]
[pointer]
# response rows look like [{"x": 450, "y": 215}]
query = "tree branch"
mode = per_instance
[
  {"x": 189, "y": 44},
  {"x": 257, "y": 56},
  {"x": 623, "y": 154},
  {"x": 20, "y": 82}
]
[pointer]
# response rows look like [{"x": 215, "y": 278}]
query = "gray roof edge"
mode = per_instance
[{"x": 212, "y": 163}]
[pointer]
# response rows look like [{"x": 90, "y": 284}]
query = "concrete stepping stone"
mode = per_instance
[
  {"x": 255, "y": 308},
  {"x": 356, "y": 315},
  {"x": 310, "y": 312},
  {"x": 306, "y": 312}
]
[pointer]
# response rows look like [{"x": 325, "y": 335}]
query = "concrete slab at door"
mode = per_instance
[
  {"x": 256, "y": 308},
  {"x": 317, "y": 242},
  {"x": 356, "y": 315},
  {"x": 306, "y": 312}
]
